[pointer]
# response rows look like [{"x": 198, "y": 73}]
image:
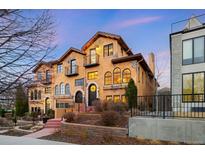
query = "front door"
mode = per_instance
[
  {"x": 79, "y": 97},
  {"x": 47, "y": 105},
  {"x": 92, "y": 94}
]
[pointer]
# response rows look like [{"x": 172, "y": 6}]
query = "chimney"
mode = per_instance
[{"x": 151, "y": 60}]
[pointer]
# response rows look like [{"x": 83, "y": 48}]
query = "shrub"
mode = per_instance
[
  {"x": 69, "y": 116},
  {"x": 51, "y": 113},
  {"x": 98, "y": 105},
  {"x": 4, "y": 122},
  {"x": 119, "y": 107},
  {"x": 2, "y": 112},
  {"x": 110, "y": 118}
]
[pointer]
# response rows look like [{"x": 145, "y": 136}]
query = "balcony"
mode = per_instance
[
  {"x": 46, "y": 81},
  {"x": 71, "y": 71},
  {"x": 115, "y": 86},
  {"x": 91, "y": 60}
]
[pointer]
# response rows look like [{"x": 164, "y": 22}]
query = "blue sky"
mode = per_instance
[{"x": 143, "y": 30}]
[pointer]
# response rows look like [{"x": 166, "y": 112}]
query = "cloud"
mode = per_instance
[{"x": 135, "y": 22}]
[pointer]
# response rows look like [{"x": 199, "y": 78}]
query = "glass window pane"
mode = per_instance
[
  {"x": 198, "y": 86},
  {"x": 187, "y": 87},
  {"x": 116, "y": 98},
  {"x": 199, "y": 50},
  {"x": 187, "y": 52}
]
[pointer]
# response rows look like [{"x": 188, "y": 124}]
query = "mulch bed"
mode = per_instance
[
  {"x": 94, "y": 119},
  {"x": 104, "y": 140},
  {"x": 15, "y": 133}
]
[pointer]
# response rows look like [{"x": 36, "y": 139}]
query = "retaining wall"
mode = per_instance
[{"x": 180, "y": 130}]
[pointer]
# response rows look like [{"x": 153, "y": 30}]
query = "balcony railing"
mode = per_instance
[
  {"x": 91, "y": 60},
  {"x": 71, "y": 71},
  {"x": 46, "y": 81}
]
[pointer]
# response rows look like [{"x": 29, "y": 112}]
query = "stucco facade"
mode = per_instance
[{"x": 88, "y": 80}]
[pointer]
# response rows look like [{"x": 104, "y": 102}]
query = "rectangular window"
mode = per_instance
[
  {"x": 193, "y": 50},
  {"x": 142, "y": 77},
  {"x": 123, "y": 99},
  {"x": 48, "y": 90},
  {"x": 193, "y": 84},
  {"x": 199, "y": 50},
  {"x": 93, "y": 58},
  {"x": 92, "y": 75},
  {"x": 73, "y": 66},
  {"x": 79, "y": 82},
  {"x": 116, "y": 98},
  {"x": 187, "y": 52},
  {"x": 108, "y": 50},
  {"x": 109, "y": 98},
  {"x": 62, "y": 105},
  {"x": 39, "y": 76},
  {"x": 198, "y": 86},
  {"x": 138, "y": 74},
  {"x": 59, "y": 68}
]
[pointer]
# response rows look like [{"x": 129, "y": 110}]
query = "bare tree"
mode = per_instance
[{"x": 24, "y": 42}]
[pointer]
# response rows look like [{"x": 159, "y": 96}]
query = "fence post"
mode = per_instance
[{"x": 163, "y": 107}]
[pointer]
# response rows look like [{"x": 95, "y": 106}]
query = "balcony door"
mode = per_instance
[
  {"x": 73, "y": 66},
  {"x": 48, "y": 76},
  {"x": 92, "y": 56}
]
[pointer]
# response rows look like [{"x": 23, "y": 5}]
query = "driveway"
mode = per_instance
[{"x": 13, "y": 140}]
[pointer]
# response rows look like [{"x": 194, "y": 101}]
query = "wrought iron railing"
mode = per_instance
[
  {"x": 69, "y": 71},
  {"x": 91, "y": 60},
  {"x": 170, "y": 106}
]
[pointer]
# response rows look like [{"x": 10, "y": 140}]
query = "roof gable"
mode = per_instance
[{"x": 107, "y": 35}]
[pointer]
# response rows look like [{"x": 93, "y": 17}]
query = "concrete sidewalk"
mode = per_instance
[
  {"x": 13, "y": 140},
  {"x": 41, "y": 133}
]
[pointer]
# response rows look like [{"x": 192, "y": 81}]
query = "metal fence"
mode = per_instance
[{"x": 170, "y": 106}]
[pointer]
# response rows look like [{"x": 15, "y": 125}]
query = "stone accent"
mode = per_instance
[{"x": 93, "y": 130}]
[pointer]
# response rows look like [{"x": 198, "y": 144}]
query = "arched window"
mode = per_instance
[
  {"x": 35, "y": 95},
  {"x": 39, "y": 94},
  {"x": 67, "y": 89},
  {"x": 62, "y": 89},
  {"x": 117, "y": 76},
  {"x": 108, "y": 78},
  {"x": 56, "y": 90},
  {"x": 31, "y": 95},
  {"x": 126, "y": 75}
]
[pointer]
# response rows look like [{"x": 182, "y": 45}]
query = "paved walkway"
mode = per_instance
[
  {"x": 41, "y": 133},
  {"x": 13, "y": 140}
]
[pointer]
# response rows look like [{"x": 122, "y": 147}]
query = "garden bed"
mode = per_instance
[
  {"x": 94, "y": 119},
  {"x": 87, "y": 139},
  {"x": 14, "y": 132}
]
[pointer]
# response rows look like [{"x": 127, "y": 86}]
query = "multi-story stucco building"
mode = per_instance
[
  {"x": 101, "y": 69},
  {"x": 188, "y": 64}
]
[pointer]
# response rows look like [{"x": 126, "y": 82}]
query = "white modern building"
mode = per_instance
[{"x": 188, "y": 65}]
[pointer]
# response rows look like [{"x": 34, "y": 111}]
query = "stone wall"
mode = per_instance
[
  {"x": 93, "y": 130},
  {"x": 179, "y": 130}
]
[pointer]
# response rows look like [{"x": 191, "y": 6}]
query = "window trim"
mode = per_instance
[
  {"x": 114, "y": 98},
  {"x": 123, "y": 74},
  {"x": 108, "y": 54},
  {"x": 80, "y": 79},
  {"x": 105, "y": 78},
  {"x": 114, "y": 75},
  {"x": 92, "y": 72},
  {"x": 61, "y": 68},
  {"x": 192, "y": 73},
  {"x": 109, "y": 96},
  {"x": 192, "y": 50}
]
